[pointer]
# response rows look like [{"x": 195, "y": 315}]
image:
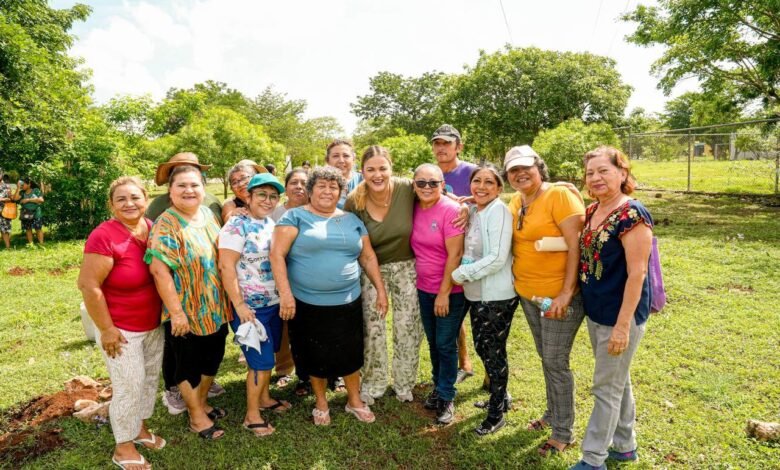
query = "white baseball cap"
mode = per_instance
[{"x": 522, "y": 155}]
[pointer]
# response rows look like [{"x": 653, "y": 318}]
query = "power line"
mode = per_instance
[
  {"x": 614, "y": 35},
  {"x": 596, "y": 23},
  {"x": 506, "y": 23}
]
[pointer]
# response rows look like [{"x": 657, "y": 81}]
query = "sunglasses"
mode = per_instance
[
  {"x": 422, "y": 183},
  {"x": 520, "y": 216}
]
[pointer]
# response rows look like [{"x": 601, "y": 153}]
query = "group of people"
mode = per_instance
[
  {"x": 27, "y": 198},
  {"x": 307, "y": 284}
]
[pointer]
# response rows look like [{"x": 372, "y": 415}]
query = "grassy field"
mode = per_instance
[
  {"x": 741, "y": 176},
  {"x": 707, "y": 364}
]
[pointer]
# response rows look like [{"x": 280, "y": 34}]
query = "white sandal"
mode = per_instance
[
  {"x": 151, "y": 440},
  {"x": 321, "y": 418},
  {"x": 364, "y": 414},
  {"x": 121, "y": 463}
]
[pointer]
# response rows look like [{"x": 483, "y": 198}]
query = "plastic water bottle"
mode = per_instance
[{"x": 544, "y": 304}]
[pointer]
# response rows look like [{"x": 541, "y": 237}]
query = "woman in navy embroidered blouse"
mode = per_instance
[{"x": 615, "y": 248}]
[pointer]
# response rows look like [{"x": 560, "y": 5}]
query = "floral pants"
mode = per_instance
[{"x": 400, "y": 283}]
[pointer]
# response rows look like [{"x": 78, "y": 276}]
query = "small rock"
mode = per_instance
[
  {"x": 668, "y": 404},
  {"x": 106, "y": 393},
  {"x": 81, "y": 382},
  {"x": 83, "y": 404},
  {"x": 31, "y": 361},
  {"x": 92, "y": 413}
]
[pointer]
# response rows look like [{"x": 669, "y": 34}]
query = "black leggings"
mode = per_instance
[{"x": 490, "y": 324}]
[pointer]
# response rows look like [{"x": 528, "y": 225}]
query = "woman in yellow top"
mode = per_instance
[{"x": 541, "y": 209}]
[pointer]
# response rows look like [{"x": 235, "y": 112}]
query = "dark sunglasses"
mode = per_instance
[
  {"x": 520, "y": 216},
  {"x": 422, "y": 183}
]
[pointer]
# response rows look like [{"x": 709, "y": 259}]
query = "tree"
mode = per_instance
[
  {"x": 408, "y": 103},
  {"x": 694, "y": 109},
  {"x": 511, "y": 95},
  {"x": 563, "y": 147},
  {"x": 221, "y": 137},
  {"x": 720, "y": 42},
  {"x": 408, "y": 152},
  {"x": 42, "y": 94}
]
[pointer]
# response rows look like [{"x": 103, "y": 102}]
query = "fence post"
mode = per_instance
[
  {"x": 777, "y": 167},
  {"x": 690, "y": 157}
]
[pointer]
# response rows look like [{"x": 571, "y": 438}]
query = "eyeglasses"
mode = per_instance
[
  {"x": 520, "y": 216},
  {"x": 263, "y": 196},
  {"x": 243, "y": 180},
  {"x": 422, "y": 183}
]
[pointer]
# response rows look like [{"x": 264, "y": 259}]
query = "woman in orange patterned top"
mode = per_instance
[{"x": 182, "y": 253}]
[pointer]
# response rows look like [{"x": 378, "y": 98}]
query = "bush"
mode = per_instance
[
  {"x": 563, "y": 147},
  {"x": 408, "y": 152}
]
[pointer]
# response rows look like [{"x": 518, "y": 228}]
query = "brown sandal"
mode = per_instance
[
  {"x": 548, "y": 449},
  {"x": 538, "y": 425}
]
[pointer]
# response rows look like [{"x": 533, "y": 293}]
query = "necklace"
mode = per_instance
[
  {"x": 527, "y": 201},
  {"x": 387, "y": 197}
]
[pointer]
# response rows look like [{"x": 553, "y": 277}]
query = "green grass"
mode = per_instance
[
  {"x": 741, "y": 176},
  {"x": 707, "y": 364}
]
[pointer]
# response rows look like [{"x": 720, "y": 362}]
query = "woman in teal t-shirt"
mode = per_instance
[{"x": 31, "y": 215}]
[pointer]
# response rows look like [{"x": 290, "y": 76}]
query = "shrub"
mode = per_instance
[{"x": 563, "y": 147}]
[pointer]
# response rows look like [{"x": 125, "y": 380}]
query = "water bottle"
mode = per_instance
[{"x": 544, "y": 304}]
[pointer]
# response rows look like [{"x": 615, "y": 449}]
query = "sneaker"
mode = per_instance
[
  {"x": 582, "y": 465},
  {"x": 446, "y": 412},
  {"x": 629, "y": 456},
  {"x": 463, "y": 375},
  {"x": 215, "y": 390},
  {"x": 432, "y": 402},
  {"x": 490, "y": 425},
  {"x": 173, "y": 400}
]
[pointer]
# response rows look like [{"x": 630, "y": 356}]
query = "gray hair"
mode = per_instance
[
  {"x": 327, "y": 173},
  {"x": 429, "y": 166},
  {"x": 241, "y": 166}
]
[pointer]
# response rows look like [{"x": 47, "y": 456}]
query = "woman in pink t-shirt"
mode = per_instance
[
  {"x": 438, "y": 247},
  {"x": 122, "y": 300}
]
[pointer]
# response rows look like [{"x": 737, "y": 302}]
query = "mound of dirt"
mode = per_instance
[{"x": 19, "y": 271}]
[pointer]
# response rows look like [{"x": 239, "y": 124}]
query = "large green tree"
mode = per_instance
[
  {"x": 42, "y": 94},
  {"x": 720, "y": 42},
  {"x": 511, "y": 95}
]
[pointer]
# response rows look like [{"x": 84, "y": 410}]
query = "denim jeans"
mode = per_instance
[{"x": 442, "y": 334}]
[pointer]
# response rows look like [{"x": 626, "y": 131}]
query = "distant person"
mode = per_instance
[
  {"x": 122, "y": 300},
  {"x": 317, "y": 253},
  {"x": 244, "y": 249},
  {"x": 171, "y": 397},
  {"x": 341, "y": 154},
  {"x": 271, "y": 168},
  {"x": 295, "y": 189},
  {"x": 306, "y": 165},
  {"x": 614, "y": 252},
  {"x": 238, "y": 176},
  {"x": 542, "y": 209},
  {"x": 30, "y": 199},
  {"x": 438, "y": 247},
  {"x": 5, "y": 196},
  {"x": 447, "y": 145}
]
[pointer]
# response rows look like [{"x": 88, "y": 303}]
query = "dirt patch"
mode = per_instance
[
  {"x": 739, "y": 288},
  {"x": 56, "y": 272},
  {"x": 20, "y": 271},
  {"x": 29, "y": 444}
]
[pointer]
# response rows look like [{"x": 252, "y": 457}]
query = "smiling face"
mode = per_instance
[
  {"x": 325, "y": 195},
  {"x": 296, "y": 189},
  {"x": 377, "y": 172},
  {"x": 428, "y": 195},
  {"x": 485, "y": 187},
  {"x": 128, "y": 204},
  {"x": 342, "y": 157},
  {"x": 186, "y": 191},
  {"x": 238, "y": 181},
  {"x": 602, "y": 178},
  {"x": 263, "y": 200},
  {"x": 525, "y": 179}
]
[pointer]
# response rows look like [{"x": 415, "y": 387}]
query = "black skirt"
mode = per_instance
[{"x": 327, "y": 341}]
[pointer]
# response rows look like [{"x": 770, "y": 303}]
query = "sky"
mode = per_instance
[{"x": 325, "y": 51}]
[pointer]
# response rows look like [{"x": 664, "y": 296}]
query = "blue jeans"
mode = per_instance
[{"x": 442, "y": 334}]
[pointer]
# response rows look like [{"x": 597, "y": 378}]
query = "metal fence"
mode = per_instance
[{"x": 725, "y": 158}]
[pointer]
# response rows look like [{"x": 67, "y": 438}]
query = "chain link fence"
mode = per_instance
[{"x": 724, "y": 158}]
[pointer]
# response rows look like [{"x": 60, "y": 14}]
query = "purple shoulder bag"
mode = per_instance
[{"x": 657, "y": 292}]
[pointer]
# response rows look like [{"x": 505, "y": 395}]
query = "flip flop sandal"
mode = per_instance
[
  {"x": 338, "y": 385},
  {"x": 152, "y": 442},
  {"x": 364, "y": 414},
  {"x": 548, "y": 450},
  {"x": 284, "y": 381},
  {"x": 302, "y": 388},
  {"x": 208, "y": 433},
  {"x": 321, "y": 418},
  {"x": 217, "y": 413},
  {"x": 122, "y": 463},
  {"x": 279, "y": 407},
  {"x": 537, "y": 425},
  {"x": 253, "y": 427}
]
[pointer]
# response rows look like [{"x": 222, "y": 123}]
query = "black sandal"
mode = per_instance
[
  {"x": 217, "y": 413},
  {"x": 208, "y": 433},
  {"x": 302, "y": 388},
  {"x": 263, "y": 425},
  {"x": 278, "y": 407},
  {"x": 489, "y": 427}
]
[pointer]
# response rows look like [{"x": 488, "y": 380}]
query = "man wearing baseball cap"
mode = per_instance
[{"x": 446, "y": 145}]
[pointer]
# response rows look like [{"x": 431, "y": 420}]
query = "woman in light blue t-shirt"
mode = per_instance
[{"x": 317, "y": 251}]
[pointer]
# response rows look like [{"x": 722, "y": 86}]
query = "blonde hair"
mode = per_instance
[
  {"x": 123, "y": 180},
  {"x": 361, "y": 192}
]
